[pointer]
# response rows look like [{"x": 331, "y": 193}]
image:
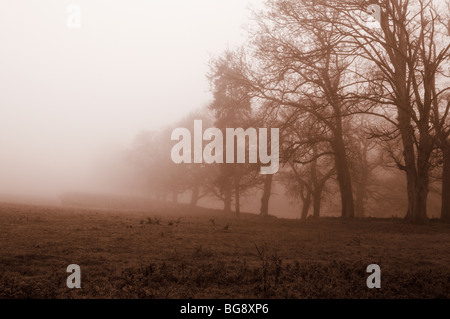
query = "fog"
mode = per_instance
[
  {"x": 87, "y": 105},
  {"x": 71, "y": 98}
]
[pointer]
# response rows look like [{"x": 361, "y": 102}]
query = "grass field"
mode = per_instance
[{"x": 168, "y": 254}]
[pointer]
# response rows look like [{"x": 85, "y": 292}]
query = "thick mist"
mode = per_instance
[{"x": 71, "y": 99}]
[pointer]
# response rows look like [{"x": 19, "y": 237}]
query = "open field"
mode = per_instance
[{"x": 151, "y": 255}]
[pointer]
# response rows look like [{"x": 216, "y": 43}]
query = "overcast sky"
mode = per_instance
[{"x": 69, "y": 95}]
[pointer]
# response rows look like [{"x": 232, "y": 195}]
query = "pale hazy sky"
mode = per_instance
[{"x": 69, "y": 95}]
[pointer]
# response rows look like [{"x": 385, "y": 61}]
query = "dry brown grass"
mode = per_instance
[{"x": 142, "y": 255}]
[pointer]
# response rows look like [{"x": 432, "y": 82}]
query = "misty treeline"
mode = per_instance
[{"x": 362, "y": 107}]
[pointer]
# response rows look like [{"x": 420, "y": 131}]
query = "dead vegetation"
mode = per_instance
[{"x": 216, "y": 257}]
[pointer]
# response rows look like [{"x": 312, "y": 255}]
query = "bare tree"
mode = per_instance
[
  {"x": 296, "y": 62},
  {"x": 310, "y": 159},
  {"x": 365, "y": 158},
  {"x": 406, "y": 51},
  {"x": 232, "y": 109}
]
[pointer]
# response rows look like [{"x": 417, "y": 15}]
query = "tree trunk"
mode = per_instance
[
  {"x": 420, "y": 215},
  {"x": 417, "y": 201},
  {"x": 409, "y": 155},
  {"x": 266, "y": 195},
  {"x": 317, "y": 202},
  {"x": 445, "y": 208},
  {"x": 417, "y": 178},
  {"x": 306, "y": 206},
  {"x": 344, "y": 179}
]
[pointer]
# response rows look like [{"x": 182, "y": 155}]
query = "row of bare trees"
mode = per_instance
[{"x": 352, "y": 97}]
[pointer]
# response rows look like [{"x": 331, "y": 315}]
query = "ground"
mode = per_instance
[{"x": 174, "y": 254}]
